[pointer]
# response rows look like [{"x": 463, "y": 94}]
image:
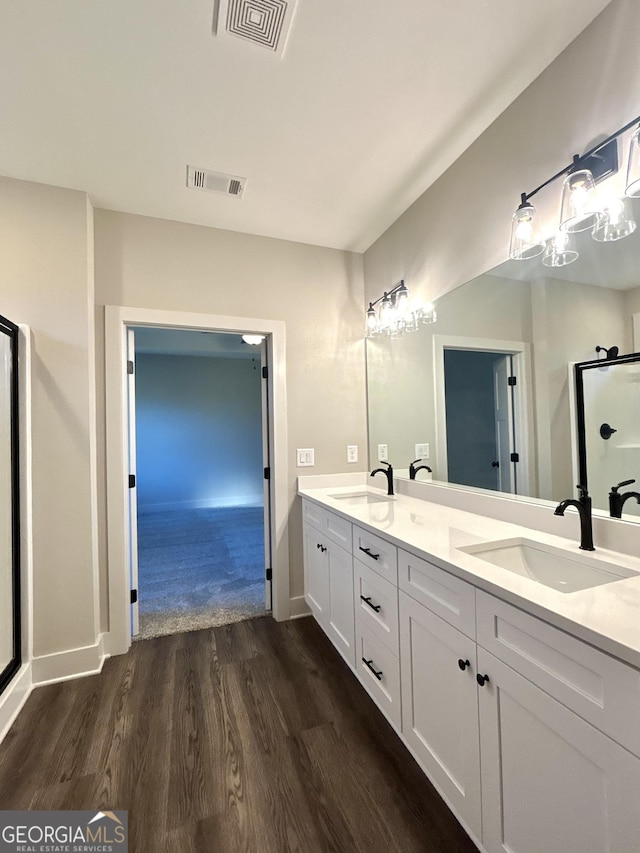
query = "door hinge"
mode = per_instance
[
  {"x": 515, "y": 457},
  {"x": 134, "y": 596},
  {"x": 265, "y": 372},
  {"x": 511, "y": 380},
  {"x": 269, "y": 574},
  {"x": 267, "y": 473},
  {"x": 129, "y": 367},
  {"x": 132, "y": 481}
]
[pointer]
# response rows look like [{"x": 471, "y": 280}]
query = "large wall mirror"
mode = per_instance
[
  {"x": 484, "y": 392},
  {"x": 9, "y": 505}
]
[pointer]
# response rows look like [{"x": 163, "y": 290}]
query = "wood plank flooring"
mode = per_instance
[{"x": 253, "y": 737}]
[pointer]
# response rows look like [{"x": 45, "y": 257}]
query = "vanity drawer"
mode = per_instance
[
  {"x": 337, "y": 529},
  {"x": 376, "y": 601},
  {"x": 376, "y": 553},
  {"x": 452, "y": 599},
  {"x": 599, "y": 688},
  {"x": 312, "y": 513},
  {"x": 381, "y": 677}
]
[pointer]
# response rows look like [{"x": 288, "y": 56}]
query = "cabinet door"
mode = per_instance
[
  {"x": 550, "y": 781},
  {"x": 316, "y": 574},
  {"x": 440, "y": 707},
  {"x": 340, "y": 625}
]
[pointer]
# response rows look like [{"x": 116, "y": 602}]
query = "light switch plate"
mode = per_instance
[
  {"x": 305, "y": 457},
  {"x": 352, "y": 452},
  {"x": 383, "y": 454},
  {"x": 422, "y": 451}
]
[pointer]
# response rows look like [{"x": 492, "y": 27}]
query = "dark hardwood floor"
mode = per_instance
[{"x": 250, "y": 738}]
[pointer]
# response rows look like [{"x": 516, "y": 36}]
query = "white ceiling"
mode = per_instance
[{"x": 370, "y": 103}]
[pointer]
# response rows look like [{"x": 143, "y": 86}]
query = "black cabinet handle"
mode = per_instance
[
  {"x": 367, "y": 600},
  {"x": 322, "y": 548},
  {"x": 367, "y": 551},
  {"x": 368, "y": 663},
  {"x": 463, "y": 664},
  {"x": 482, "y": 679}
]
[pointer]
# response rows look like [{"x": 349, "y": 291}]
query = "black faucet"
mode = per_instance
[
  {"x": 617, "y": 500},
  {"x": 583, "y": 505},
  {"x": 414, "y": 468},
  {"x": 388, "y": 472}
]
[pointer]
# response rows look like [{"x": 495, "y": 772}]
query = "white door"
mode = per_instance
[
  {"x": 550, "y": 781},
  {"x": 341, "y": 624},
  {"x": 316, "y": 574},
  {"x": 133, "y": 503},
  {"x": 266, "y": 489},
  {"x": 504, "y": 424},
  {"x": 440, "y": 706}
]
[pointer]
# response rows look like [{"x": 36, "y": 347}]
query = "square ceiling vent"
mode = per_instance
[{"x": 264, "y": 22}]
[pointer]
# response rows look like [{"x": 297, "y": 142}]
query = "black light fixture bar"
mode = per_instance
[
  {"x": 388, "y": 294},
  {"x": 580, "y": 161}
]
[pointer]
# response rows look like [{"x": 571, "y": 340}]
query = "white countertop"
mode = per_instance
[{"x": 607, "y": 616}]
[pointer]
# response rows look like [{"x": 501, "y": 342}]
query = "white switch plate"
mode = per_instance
[
  {"x": 352, "y": 452},
  {"x": 382, "y": 453},
  {"x": 305, "y": 457},
  {"x": 422, "y": 451}
]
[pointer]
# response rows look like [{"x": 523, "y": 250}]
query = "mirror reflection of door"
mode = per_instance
[{"x": 480, "y": 419}]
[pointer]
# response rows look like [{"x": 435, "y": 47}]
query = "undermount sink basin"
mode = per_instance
[
  {"x": 552, "y": 567},
  {"x": 356, "y": 498}
]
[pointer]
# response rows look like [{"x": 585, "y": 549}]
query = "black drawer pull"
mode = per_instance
[
  {"x": 463, "y": 664},
  {"x": 368, "y": 663},
  {"x": 367, "y": 600},
  {"x": 322, "y": 548},
  {"x": 481, "y": 679},
  {"x": 367, "y": 551}
]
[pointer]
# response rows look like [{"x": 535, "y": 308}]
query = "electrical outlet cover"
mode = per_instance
[
  {"x": 352, "y": 452},
  {"x": 422, "y": 451},
  {"x": 382, "y": 453}
]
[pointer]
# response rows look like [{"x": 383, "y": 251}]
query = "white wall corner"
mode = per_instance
[
  {"x": 70, "y": 664},
  {"x": 13, "y": 698},
  {"x": 298, "y": 607}
]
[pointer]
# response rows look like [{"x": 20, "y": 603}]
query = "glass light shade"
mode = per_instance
[
  {"x": 615, "y": 223},
  {"x": 579, "y": 210},
  {"x": 525, "y": 238},
  {"x": 372, "y": 320},
  {"x": 633, "y": 167},
  {"x": 402, "y": 299},
  {"x": 253, "y": 340},
  {"x": 558, "y": 251},
  {"x": 428, "y": 313},
  {"x": 386, "y": 311}
]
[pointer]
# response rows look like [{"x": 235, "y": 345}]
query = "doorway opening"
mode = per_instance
[
  {"x": 121, "y": 491},
  {"x": 198, "y": 514},
  {"x": 482, "y": 413}
]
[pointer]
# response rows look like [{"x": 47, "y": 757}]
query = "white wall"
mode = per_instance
[
  {"x": 152, "y": 263},
  {"x": 198, "y": 431},
  {"x": 45, "y": 283}
]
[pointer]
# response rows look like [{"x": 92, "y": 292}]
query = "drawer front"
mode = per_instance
[
  {"x": 446, "y": 595},
  {"x": 599, "y": 688},
  {"x": 376, "y": 601},
  {"x": 381, "y": 675},
  {"x": 337, "y": 529},
  {"x": 376, "y": 553},
  {"x": 312, "y": 513}
]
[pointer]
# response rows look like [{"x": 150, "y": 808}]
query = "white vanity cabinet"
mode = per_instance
[
  {"x": 531, "y": 735},
  {"x": 328, "y": 576}
]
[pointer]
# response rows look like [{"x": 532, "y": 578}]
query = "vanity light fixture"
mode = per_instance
[
  {"x": 580, "y": 209},
  {"x": 394, "y": 315},
  {"x": 253, "y": 340}
]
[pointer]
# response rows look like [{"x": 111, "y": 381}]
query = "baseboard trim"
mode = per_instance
[
  {"x": 210, "y": 503},
  {"x": 13, "y": 698},
  {"x": 70, "y": 664},
  {"x": 298, "y": 607}
]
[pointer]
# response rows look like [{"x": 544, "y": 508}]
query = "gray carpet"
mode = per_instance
[{"x": 199, "y": 568}]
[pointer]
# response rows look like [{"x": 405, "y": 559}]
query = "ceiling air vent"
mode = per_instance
[
  {"x": 263, "y": 22},
  {"x": 215, "y": 182}
]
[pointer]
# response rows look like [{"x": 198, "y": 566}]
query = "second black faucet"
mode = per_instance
[{"x": 388, "y": 472}]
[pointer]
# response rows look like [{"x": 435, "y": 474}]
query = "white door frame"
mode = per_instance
[
  {"x": 117, "y": 321},
  {"x": 523, "y": 408}
]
